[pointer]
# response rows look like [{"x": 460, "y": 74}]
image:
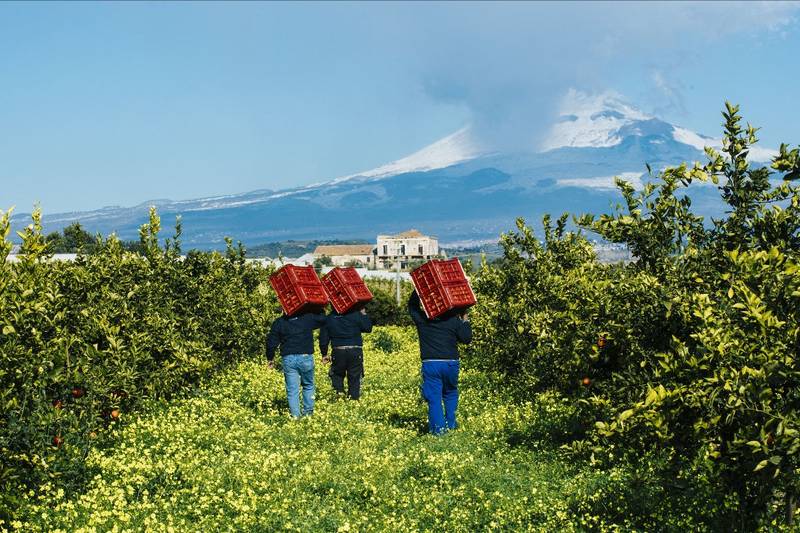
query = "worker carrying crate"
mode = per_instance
[
  {"x": 303, "y": 300},
  {"x": 343, "y": 329},
  {"x": 438, "y": 306}
]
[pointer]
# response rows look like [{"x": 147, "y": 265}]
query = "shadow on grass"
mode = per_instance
[
  {"x": 546, "y": 434},
  {"x": 264, "y": 405},
  {"x": 277, "y": 404},
  {"x": 411, "y": 423}
]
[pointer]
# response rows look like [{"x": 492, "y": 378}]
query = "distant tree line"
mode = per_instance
[
  {"x": 74, "y": 238},
  {"x": 292, "y": 248}
]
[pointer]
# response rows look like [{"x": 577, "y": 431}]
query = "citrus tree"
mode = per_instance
[
  {"x": 689, "y": 351},
  {"x": 84, "y": 342}
]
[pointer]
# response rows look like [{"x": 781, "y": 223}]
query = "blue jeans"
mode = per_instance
[
  {"x": 440, "y": 384},
  {"x": 298, "y": 369}
]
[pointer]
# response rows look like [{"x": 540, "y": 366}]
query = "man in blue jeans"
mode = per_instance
[
  {"x": 295, "y": 335},
  {"x": 438, "y": 346}
]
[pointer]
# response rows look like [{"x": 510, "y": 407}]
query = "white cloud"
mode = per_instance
[{"x": 510, "y": 63}]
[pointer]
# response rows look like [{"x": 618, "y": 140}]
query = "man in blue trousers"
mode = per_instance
[
  {"x": 438, "y": 346},
  {"x": 295, "y": 335}
]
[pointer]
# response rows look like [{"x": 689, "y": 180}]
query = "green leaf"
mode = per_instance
[{"x": 652, "y": 397}]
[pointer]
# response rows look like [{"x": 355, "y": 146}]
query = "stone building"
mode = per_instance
[
  {"x": 348, "y": 254},
  {"x": 405, "y": 248}
]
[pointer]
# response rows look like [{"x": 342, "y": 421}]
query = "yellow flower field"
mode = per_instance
[{"x": 229, "y": 458}]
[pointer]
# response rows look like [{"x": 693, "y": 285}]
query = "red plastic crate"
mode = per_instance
[
  {"x": 346, "y": 290},
  {"x": 299, "y": 289},
  {"x": 442, "y": 286}
]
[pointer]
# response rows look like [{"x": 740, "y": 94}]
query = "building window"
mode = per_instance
[
  {"x": 402, "y": 249},
  {"x": 420, "y": 249},
  {"x": 385, "y": 250}
]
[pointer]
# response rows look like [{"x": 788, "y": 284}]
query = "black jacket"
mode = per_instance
[
  {"x": 438, "y": 337},
  {"x": 295, "y": 335},
  {"x": 343, "y": 330}
]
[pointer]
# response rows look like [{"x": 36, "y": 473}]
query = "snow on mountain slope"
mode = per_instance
[
  {"x": 682, "y": 135},
  {"x": 591, "y": 120},
  {"x": 603, "y": 182},
  {"x": 585, "y": 121},
  {"x": 455, "y": 148},
  {"x": 602, "y": 120}
]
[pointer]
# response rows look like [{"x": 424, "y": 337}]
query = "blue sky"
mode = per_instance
[{"x": 119, "y": 103}]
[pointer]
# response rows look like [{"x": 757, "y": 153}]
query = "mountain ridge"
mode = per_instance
[{"x": 455, "y": 188}]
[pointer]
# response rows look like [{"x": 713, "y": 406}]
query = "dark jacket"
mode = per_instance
[
  {"x": 438, "y": 337},
  {"x": 295, "y": 335},
  {"x": 343, "y": 330}
]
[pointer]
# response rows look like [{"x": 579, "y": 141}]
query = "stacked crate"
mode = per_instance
[
  {"x": 346, "y": 290},
  {"x": 442, "y": 287},
  {"x": 299, "y": 290}
]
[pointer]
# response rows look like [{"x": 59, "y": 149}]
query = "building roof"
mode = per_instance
[
  {"x": 332, "y": 250},
  {"x": 409, "y": 234}
]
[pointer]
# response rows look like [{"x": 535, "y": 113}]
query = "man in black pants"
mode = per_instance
[{"x": 344, "y": 333}]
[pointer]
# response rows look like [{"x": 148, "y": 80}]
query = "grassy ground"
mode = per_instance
[{"x": 229, "y": 458}]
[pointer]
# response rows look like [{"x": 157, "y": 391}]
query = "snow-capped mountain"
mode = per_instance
[
  {"x": 451, "y": 150},
  {"x": 455, "y": 188},
  {"x": 591, "y": 121},
  {"x": 584, "y": 121}
]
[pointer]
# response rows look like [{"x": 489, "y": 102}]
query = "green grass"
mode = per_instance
[{"x": 229, "y": 458}]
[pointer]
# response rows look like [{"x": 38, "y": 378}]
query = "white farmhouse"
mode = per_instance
[{"x": 405, "y": 247}]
